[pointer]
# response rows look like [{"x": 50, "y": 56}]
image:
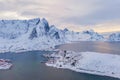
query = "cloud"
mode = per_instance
[
  {"x": 106, "y": 11},
  {"x": 80, "y": 13},
  {"x": 60, "y": 8}
]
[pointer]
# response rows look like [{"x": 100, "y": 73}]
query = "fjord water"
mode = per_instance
[
  {"x": 92, "y": 46},
  {"x": 27, "y": 66}
]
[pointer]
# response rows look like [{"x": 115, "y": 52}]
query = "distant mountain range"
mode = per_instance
[{"x": 37, "y": 34}]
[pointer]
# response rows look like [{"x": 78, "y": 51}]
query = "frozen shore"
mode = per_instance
[
  {"x": 87, "y": 62},
  {"x": 5, "y": 64}
]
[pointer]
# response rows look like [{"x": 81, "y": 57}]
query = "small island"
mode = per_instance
[{"x": 5, "y": 64}]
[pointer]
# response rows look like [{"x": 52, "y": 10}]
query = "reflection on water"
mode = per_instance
[
  {"x": 103, "y": 47},
  {"x": 27, "y": 65}
]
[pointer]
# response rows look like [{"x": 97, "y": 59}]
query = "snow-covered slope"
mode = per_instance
[
  {"x": 86, "y": 62},
  {"x": 114, "y": 37},
  {"x": 17, "y": 35},
  {"x": 37, "y": 34},
  {"x": 94, "y": 36}
]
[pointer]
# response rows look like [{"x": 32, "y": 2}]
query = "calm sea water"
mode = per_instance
[
  {"x": 102, "y": 47},
  {"x": 27, "y": 65}
]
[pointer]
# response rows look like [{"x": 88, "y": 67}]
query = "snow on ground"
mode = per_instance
[
  {"x": 114, "y": 37},
  {"x": 87, "y": 62},
  {"x": 5, "y": 64},
  {"x": 37, "y": 34}
]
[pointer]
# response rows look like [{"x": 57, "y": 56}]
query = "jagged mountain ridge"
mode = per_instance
[
  {"x": 37, "y": 34},
  {"x": 12, "y": 29},
  {"x": 94, "y": 35}
]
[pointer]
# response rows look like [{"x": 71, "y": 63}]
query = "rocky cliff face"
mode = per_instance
[{"x": 37, "y": 34}]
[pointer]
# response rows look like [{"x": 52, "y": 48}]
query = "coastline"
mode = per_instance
[
  {"x": 5, "y": 64},
  {"x": 86, "y": 64},
  {"x": 83, "y": 71}
]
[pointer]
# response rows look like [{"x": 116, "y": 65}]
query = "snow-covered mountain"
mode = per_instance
[
  {"x": 37, "y": 34},
  {"x": 94, "y": 36},
  {"x": 114, "y": 37}
]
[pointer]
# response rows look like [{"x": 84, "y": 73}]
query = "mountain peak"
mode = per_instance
[{"x": 46, "y": 24}]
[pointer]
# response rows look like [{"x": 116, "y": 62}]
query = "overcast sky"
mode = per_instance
[{"x": 100, "y": 15}]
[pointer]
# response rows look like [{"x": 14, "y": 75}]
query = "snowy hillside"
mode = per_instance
[
  {"x": 86, "y": 62},
  {"x": 114, "y": 37},
  {"x": 94, "y": 36},
  {"x": 37, "y": 34}
]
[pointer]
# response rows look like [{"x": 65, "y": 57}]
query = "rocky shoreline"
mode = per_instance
[
  {"x": 5, "y": 64},
  {"x": 86, "y": 62}
]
